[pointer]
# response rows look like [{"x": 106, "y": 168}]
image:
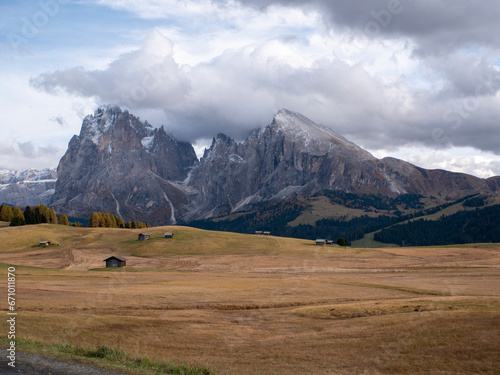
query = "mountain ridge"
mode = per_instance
[
  {"x": 122, "y": 165},
  {"x": 27, "y": 188}
]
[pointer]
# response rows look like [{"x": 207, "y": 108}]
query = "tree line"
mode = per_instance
[
  {"x": 275, "y": 216},
  {"x": 107, "y": 220},
  {"x": 479, "y": 225},
  {"x": 40, "y": 214}
]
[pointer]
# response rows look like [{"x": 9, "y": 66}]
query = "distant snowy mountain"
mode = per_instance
[{"x": 27, "y": 188}]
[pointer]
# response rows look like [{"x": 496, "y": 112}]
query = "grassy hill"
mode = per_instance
[
  {"x": 333, "y": 214},
  {"x": 186, "y": 241}
]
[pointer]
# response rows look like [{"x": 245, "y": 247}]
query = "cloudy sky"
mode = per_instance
[{"x": 418, "y": 80}]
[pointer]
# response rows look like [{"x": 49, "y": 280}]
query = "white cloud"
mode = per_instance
[
  {"x": 220, "y": 66},
  {"x": 30, "y": 122},
  {"x": 457, "y": 159}
]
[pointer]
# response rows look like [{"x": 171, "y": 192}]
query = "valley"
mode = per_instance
[{"x": 252, "y": 304}]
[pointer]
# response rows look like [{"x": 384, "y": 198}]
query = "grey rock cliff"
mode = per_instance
[
  {"x": 295, "y": 157},
  {"x": 121, "y": 165}
]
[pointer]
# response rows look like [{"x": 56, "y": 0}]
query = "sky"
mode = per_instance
[{"x": 416, "y": 80}]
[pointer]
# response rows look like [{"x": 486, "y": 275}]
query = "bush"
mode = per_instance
[{"x": 342, "y": 242}]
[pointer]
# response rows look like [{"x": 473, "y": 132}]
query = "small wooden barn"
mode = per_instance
[
  {"x": 258, "y": 232},
  {"x": 266, "y": 233},
  {"x": 169, "y": 235},
  {"x": 144, "y": 236},
  {"x": 115, "y": 261},
  {"x": 329, "y": 242},
  {"x": 45, "y": 243},
  {"x": 321, "y": 242}
]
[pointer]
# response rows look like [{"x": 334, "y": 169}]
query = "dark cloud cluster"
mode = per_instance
[
  {"x": 452, "y": 100},
  {"x": 438, "y": 26}
]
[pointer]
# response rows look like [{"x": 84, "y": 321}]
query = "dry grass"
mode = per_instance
[
  {"x": 321, "y": 208},
  {"x": 260, "y": 305}
]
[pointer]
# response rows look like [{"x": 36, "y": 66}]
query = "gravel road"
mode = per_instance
[{"x": 34, "y": 364}]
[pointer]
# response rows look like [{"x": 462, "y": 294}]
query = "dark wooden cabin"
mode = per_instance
[
  {"x": 144, "y": 236},
  {"x": 115, "y": 261},
  {"x": 169, "y": 235}
]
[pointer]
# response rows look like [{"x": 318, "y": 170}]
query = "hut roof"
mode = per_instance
[{"x": 116, "y": 257}]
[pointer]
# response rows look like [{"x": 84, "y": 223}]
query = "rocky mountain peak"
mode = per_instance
[
  {"x": 313, "y": 138},
  {"x": 122, "y": 165},
  {"x": 105, "y": 118}
]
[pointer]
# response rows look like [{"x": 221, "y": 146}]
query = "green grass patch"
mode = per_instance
[{"x": 109, "y": 357}]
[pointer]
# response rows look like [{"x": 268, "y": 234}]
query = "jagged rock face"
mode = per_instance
[
  {"x": 121, "y": 165},
  {"x": 295, "y": 157},
  {"x": 27, "y": 188},
  {"x": 290, "y": 157}
]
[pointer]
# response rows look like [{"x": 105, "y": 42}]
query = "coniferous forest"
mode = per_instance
[{"x": 479, "y": 225}]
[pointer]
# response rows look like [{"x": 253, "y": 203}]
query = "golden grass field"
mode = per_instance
[{"x": 245, "y": 304}]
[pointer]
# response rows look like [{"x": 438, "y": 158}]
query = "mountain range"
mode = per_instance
[
  {"x": 27, "y": 188},
  {"x": 122, "y": 165}
]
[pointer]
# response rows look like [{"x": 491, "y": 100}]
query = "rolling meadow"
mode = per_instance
[{"x": 225, "y": 303}]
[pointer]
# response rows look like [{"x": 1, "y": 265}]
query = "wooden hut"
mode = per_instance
[
  {"x": 321, "y": 242},
  {"x": 144, "y": 236},
  {"x": 258, "y": 232},
  {"x": 266, "y": 233},
  {"x": 45, "y": 243},
  {"x": 169, "y": 235},
  {"x": 115, "y": 261}
]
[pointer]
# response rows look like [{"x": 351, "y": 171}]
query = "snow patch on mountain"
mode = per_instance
[
  {"x": 30, "y": 187},
  {"x": 146, "y": 142},
  {"x": 31, "y": 175},
  {"x": 313, "y": 138}
]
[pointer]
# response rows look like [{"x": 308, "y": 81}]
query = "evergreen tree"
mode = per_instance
[
  {"x": 342, "y": 242},
  {"x": 62, "y": 220},
  {"x": 41, "y": 214},
  {"x": 5, "y": 213},
  {"x": 16, "y": 221},
  {"x": 28, "y": 215}
]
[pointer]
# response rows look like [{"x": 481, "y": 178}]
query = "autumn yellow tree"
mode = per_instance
[
  {"x": 6, "y": 213},
  {"x": 52, "y": 217},
  {"x": 62, "y": 220},
  {"x": 95, "y": 220}
]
